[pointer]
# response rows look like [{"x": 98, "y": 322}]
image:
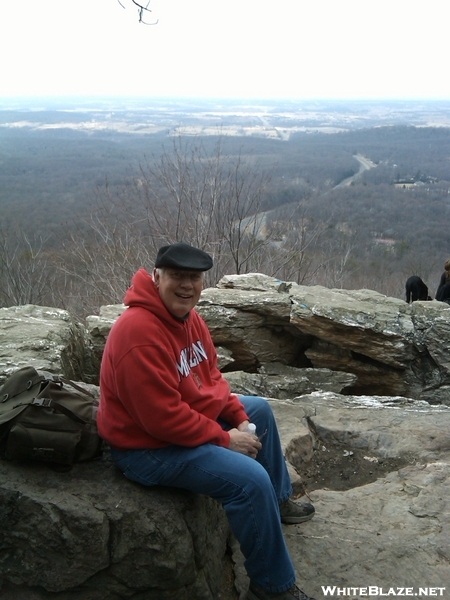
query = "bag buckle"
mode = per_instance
[{"x": 42, "y": 402}]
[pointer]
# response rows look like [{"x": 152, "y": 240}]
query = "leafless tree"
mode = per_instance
[
  {"x": 207, "y": 199},
  {"x": 339, "y": 262},
  {"x": 295, "y": 251},
  {"x": 187, "y": 194},
  {"x": 198, "y": 195},
  {"x": 143, "y": 11},
  {"x": 27, "y": 272},
  {"x": 101, "y": 253}
]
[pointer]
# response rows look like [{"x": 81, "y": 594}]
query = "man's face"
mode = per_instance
[{"x": 179, "y": 290}]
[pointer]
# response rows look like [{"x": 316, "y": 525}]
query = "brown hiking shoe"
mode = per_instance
[
  {"x": 294, "y": 593},
  {"x": 296, "y": 512}
]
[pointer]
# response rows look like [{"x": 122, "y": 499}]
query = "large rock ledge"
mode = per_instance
[
  {"x": 393, "y": 348},
  {"x": 387, "y": 346},
  {"x": 360, "y": 387},
  {"x": 90, "y": 534},
  {"x": 43, "y": 337},
  {"x": 391, "y": 532},
  {"x": 376, "y": 468}
]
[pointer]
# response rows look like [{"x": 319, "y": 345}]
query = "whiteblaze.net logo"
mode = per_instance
[{"x": 379, "y": 592}]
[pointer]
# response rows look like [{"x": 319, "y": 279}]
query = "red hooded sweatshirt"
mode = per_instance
[{"x": 159, "y": 381}]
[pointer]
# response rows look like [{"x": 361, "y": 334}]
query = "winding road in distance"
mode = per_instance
[
  {"x": 364, "y": 165},
  {"x": 258, "y": 222}
]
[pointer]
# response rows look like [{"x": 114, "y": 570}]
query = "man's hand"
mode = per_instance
[
  {"x": 245, "y": 443},
  {"x": 243, "y": 426}
]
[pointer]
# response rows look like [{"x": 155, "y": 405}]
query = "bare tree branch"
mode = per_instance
[
  {"x": 142, "y": 11},
  {"x": 27, "y": 273}
]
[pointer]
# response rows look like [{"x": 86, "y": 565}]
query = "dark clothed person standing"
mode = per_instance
[{"x": 445, "y": 280}]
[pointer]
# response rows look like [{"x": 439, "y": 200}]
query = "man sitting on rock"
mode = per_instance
[{"x": 171, "y": 420}]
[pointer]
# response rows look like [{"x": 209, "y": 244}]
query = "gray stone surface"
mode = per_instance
[
  {"x": 391, "y": 532},
  {"x": 98, "y": 328},
  {"x": 43, "y": 337},
  {"x": 90, "y": 534},
  {"x": 375, "y": 462},
  {"x": 282, "y": 381},
  {"x": 393, "y": 348}
]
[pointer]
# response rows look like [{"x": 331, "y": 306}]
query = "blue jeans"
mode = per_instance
[{"x": 249, "y": 490}]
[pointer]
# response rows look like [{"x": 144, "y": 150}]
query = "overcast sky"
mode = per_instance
[{"x": 226, "y": 48}]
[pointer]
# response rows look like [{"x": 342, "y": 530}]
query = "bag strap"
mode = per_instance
[
  {"x": 26, "y": 377},
  {"x": 77, "y": 387},
  {"x": 49, "y": 403}
]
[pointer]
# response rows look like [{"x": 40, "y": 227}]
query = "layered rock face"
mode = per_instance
[
  {"x": 383, "y": 345},
  {"x": 393, "y": 348},
  {"x": 359, "y": 384},
  {"x": 44, "y": 338}
]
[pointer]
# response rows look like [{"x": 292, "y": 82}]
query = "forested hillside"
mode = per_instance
[{"x": 81, "y": 211}]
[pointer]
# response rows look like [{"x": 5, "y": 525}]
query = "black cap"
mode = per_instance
[{"x": 183, "y": 256}]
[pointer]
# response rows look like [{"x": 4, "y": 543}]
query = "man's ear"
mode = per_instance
[{"x": 156, "y": 277}]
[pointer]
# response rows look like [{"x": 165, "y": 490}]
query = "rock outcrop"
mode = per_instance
[
  {"x": 384, "y": 345},
  {"x": 43, "y": 337},
  {"x": 378, "y": 473},
  {"x": 359, "y": 384},
  {"x": 90, "y": 534},
  {"x": 281, "y": 381},
  {"x": 393, "y": 348}
]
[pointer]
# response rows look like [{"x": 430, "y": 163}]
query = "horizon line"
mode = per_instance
[{"x": 187, "y": 97}]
